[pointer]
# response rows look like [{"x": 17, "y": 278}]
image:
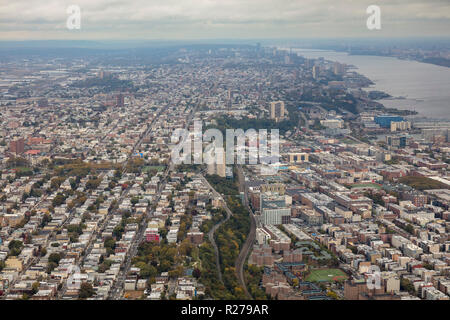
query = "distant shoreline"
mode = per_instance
[
  {"x": 442, "y": 62},
  {"x": 375, "y": 95},
  {"x": 428, "y": 100}
]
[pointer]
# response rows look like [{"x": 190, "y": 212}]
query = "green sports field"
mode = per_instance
[
  {"x": 324, "y": 275},
  {"x": 157, "y": 168}
]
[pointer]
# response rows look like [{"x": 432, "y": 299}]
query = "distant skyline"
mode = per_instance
[{"x": 207, "y": 19}]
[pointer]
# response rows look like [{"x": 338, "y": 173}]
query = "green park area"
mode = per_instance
[
  {"x": 325, "y": 275},
  {"x": 366, "y": 185},
  {"x": 423, "y": 183},
  {"x": 349, "y": 141},
  {"x": 150, "y": 168}
]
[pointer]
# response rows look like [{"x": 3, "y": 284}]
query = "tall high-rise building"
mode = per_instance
[
  {"x": 229, "y": 98},
  {"x": 315, "y": 72},
  {"x": 101, "y": 74},
  {"x": 287, "y": 59},
  {"x": 217, "y": 164},
  {"x": 397, "y": 141},
  {"x": 276, "y": 216},
  {"x": 400, "y": 125},
  {"x": 277, "y": 110},
  {"x": 309, "y": 63},
  {"x": 274, "y": 208},
  {"x": 17, "y": 146},
  {"x": 338, "y": 68},
  {"x": 120, "y": 100},
  {"x": 221, "y": 167}
]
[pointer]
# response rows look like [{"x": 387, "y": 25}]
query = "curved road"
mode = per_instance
[
  {"x": 240, "y": 261},
  {"x": 216, "y": 226},
  {"x": 216, "y": 249}
]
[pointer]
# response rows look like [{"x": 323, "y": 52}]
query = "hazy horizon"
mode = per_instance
[{"x": 212, "y": 19}]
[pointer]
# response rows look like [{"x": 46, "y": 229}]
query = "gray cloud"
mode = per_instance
[{"x": 191, "y": 19}]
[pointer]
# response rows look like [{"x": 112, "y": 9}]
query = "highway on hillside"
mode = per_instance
[
  {"x": 216, "y": 226},
  {"x": 240, "y": 261}
]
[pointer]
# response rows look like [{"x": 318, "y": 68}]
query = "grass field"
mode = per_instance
[
  {"x": 324, "y": 275},
  {"x": 22, "y": 169},
  {"x": 157, "y": 168},
  {"x": 349, "y": 141}
]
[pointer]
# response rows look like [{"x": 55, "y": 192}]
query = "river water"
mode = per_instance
[{"x": 423, "y": 87}]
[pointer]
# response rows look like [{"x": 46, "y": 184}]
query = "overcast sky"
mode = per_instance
[{"x": 209, "y": 19}]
